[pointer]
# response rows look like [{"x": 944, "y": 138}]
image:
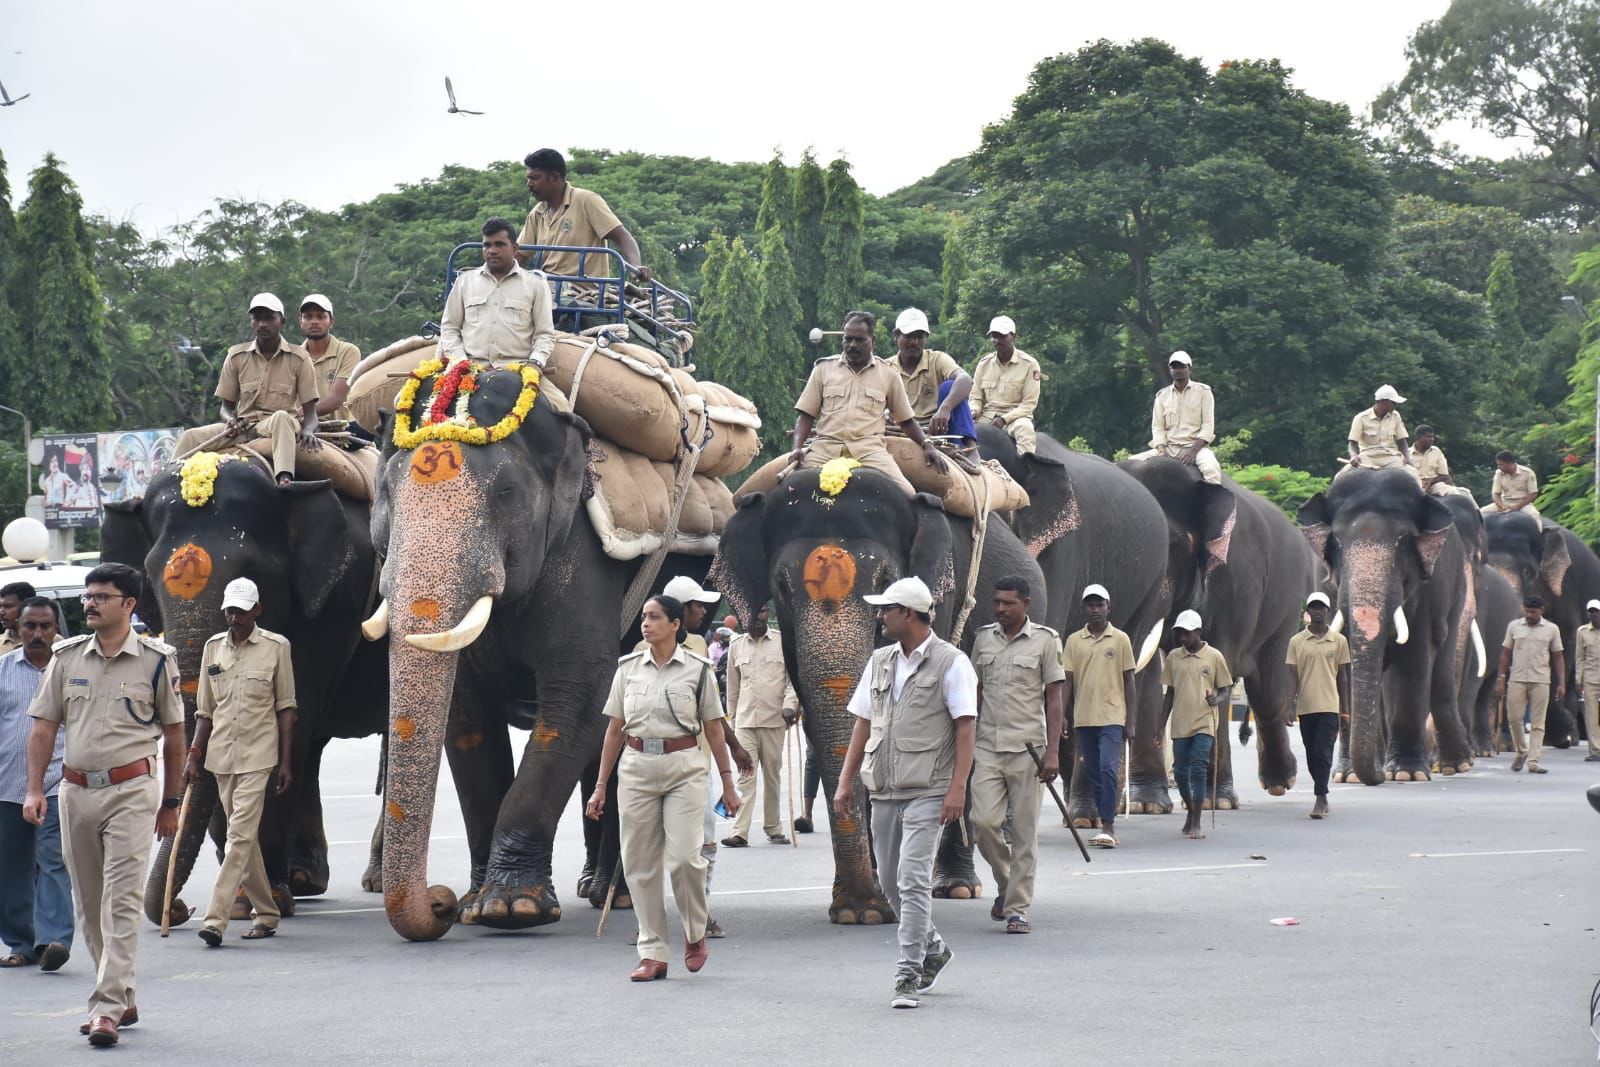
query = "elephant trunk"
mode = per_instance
[{"x": 1368, "y": 578}]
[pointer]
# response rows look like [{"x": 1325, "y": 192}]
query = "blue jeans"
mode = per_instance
[
  {"x": 961, "y": 424},
  {"x": 1100, "y": 749},
  {"x": 1191, "y": 759},
  {"x": 35, "y": 889}
]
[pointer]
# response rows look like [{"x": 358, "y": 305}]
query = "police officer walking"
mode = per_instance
[
  {"x": 116, "y": 693},
  {"x": 244, "y": 727}
]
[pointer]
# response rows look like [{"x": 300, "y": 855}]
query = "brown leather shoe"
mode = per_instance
[
  {"x": 129, "y": 1018},
  {"x": 103, "y": 1033},
  {"x": 648, "y": 971},
  {"x": 694, "y": 954}
]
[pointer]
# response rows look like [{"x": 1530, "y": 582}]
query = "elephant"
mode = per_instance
[
  {"x": 1498, "y": 607},
  {"x": 309, "y": 550},
  {"x": 1472, "y": 657},
  {"x": 1401, "y": 569},
  {"x": 815, "y": 555},
  {"x": 1545, "y": 558},
  {"x": 1234, "y": 557},
  {"x": 1089, "y": 521}
]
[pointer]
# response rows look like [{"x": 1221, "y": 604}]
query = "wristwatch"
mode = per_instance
[{"x": 170, "y": 802}]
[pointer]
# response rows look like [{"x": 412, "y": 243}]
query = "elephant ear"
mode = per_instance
[
  {"x": 1316, "y": 525},
  {"x": 320, "y": 552},
  {"x": 125, "y": 537},
  {"x": 1434, "y": 522},
  {"x": 568, "y": 476},
  {"x": 1556, "y": 560},
  {"x": 740, "y": 571},
  {"x": 1219, "y": 511},
  {"x": 930, "y": 556},
  {"x": 1052, "y": 511}
]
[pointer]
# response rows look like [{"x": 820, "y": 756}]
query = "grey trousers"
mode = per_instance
[{"x": 905, "y": 837}]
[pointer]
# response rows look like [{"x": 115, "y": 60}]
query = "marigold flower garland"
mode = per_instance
[
  {"x": 447, "y": 417},
  {"x": 836, "y": 475},
  {"x": 197, "y": 479}
]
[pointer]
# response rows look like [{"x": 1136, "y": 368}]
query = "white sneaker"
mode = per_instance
[{"x": 1103, "y": 840}]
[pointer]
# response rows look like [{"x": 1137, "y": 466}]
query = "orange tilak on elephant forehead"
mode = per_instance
[
  {"x": 829, "y": 573},
  {"x": 436, "y": 461},
  {"x": 188, "y": 571},
  {"x": 425, "y": 608}
]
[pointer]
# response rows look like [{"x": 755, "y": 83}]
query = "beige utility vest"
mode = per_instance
[{"x": 912, "y": 750}]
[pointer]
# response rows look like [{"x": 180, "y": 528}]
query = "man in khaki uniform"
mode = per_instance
[
  {"x": 1005, "y": 386},
  {"x": 764, "y": 705},
  {"x": 1098, "y": 695},
  {"x": 844, "y": 401},
  {"x": 1531, "y": 647},
  {"x": 1183, "y": 421},
  {"x": 498, "y": 311},
  {"x": 940, "y": 409},
  {"x": 1319, "y": 662},
  {"x": 244, "y": 727},
  {"x": 333, "y": 360},
  {"x": 1433, "y": 469},
  {"x": 116, "y": 694},
  {"x": 567, "y": 215},
  {"x": 1588, "y": 674},
  {"x": 1515, "y": 488},
  {"x": 1018, "y": 663},
  {"x": 1378, "y": 436}
]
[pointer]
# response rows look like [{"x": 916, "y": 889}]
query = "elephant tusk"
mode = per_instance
[
  {"x": 465, "y": 632},
  {"x": 1477, "y": 646},
  {"x": 1148, "y": 649},
  {"x": 378, "y": 625},
  {"x": 1337, "y": 625},
  {"x": 1402, "y": 628}
]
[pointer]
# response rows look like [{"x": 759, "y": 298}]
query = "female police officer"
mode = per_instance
[{"x": 661, "y": 699}]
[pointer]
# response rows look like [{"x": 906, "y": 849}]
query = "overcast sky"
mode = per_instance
[{"x": 159, "y": 107}]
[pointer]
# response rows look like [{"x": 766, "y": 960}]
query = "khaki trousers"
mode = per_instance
[
  {"x": 282, "y": 427},
  {"x": 243, "y": 797},
  {"x": 1495, "y": 509},
  {"x": 867, "y": 452},
  {"x": 765, "y": 743},
  {"x": 1022, "y": 433},
  {"x": 106, "y": 835},
  {"x": 1206, "y": 461},
  {"x": 996, "y": 778},
  {"x": 661, "y": 803},
  {"x": 1534, "y": 697},
  {"x": 1591, "y": 713}
]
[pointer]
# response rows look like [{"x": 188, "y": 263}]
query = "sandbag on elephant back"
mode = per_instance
[
  {"x": 961, "y": 490},
  {"x": 379, "y": 376},
  {"x": 631, "y": 504}
]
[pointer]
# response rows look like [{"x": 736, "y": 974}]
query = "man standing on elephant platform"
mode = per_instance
[
  {"x": 1198, "y": 680},
  {"x": 1531, "y": 646},
  {"x": 916, "y": 709},
  {"x": 1514, "y": 488},
  {"x": 1183, "y": 421},
  {"x": 935, "y": 383},
  {"x": 764, "y": 705},
  {"x": 1319, "y": 662},
  {"x": 116, "y": 695},
  {"x": 844, "y": 401},
  {"x": 333, "y": 359},
  {"x": 244, "y": 727},
  {"x": 498, "y": 311},
  {"x": 1005, "y": 385},
  {"x": 1433, "y": 469},
  {"x": 1018, "y": 663},
  {"x": 267, "y": 386},
  {"x": 1098, "y": 698},
  {"x": 1589, "y": 677},
  {"x": 1378, "y": 436}
]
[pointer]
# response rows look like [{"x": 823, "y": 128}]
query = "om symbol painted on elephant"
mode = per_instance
[
  {"x": 187, "y": 572},
  {"x": 436, "y": 461}
]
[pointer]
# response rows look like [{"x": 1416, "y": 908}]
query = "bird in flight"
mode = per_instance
[
  {"x": 5, "y": 97},
  {"x": 450, "y": 90}
]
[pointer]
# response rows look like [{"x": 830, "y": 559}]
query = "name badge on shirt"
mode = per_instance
[
  {"x": 213, "y": 670},
  {"x": 77, "y": 681}
]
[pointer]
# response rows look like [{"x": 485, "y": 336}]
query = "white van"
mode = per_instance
[{"x": 60, "y": 582}]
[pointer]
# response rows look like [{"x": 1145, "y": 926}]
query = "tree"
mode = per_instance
[
  {"x": 735, "y": 359},
  {"x": 843, "y": 226},
  {"x": 777, "y": 200},
  {"x": 1569, "y": 497},
  {"x": 953, "y": 270},
  {"x": 61, "y": 362},
  {"x": 713, "y": 312},
  {"x": 778, "y": 371},
  {"x": 810, "y": 194},
  {"x": 10, "y": 338}
]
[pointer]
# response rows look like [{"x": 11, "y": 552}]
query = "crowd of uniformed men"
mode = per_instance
[{"x": 92, "y": 712}]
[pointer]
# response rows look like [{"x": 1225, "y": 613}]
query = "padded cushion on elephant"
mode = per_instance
[
  {"x": 734, "y": 421},
  {"x": 379, "y": 376},
  {"x": 952, "y": 486},
  {"x": 632, "y": 502},
  {"x": 353, "y": 473}
]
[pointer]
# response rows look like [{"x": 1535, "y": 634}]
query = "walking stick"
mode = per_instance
[
  {"x": 611, "y": 894},
  {"x": 1055, "y": 796},
  {"x": 172, "y": 862},
  {"x": 789, "y": 772}
]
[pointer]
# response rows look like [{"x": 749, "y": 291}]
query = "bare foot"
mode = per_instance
[{"x": 1196, "y": 834}]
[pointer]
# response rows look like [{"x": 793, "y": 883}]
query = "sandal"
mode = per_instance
[
  {"x": 998, "y": 911},
  {"x": 1018, "y": 925},
  {"x": 258, "y": 932},
  {"x": 15, "y": 959}
]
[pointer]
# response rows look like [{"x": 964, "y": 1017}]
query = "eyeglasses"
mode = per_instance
[{"x": 101, "y": 598}]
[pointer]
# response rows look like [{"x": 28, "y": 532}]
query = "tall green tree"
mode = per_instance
[
  {"x": 10, "y": 339},
  {"x": 735, "y": 356},
  {"x": 713, "y": 312},
  {"x": 1569, "y": 496},
  {"x": 62, "y": 370},
  {"x": 777, "y": 199},
  {"x": 843, "y": 233},
  {"x": 953, "y": 271},
  {"x": 810, "y": 196},
  {"x": 780, "y": 371}
]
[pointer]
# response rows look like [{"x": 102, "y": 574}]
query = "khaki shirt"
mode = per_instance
[
  {"x": 582, "y": 219},
  {"x": 1514, "y": 489},
  {"x": 242, "y": 689},
  {"x": 1430, "y": 464},
  {"x": 1096, "y": 665},
  {"x": 1316, "y": 661},
  {"x": 1530, "y": 649},
  {"x": 1377, "y": 438},
  {"x": 676, "y": 700},
  {"x": 759, "y": 690},
  {"x": 258, "y": 385},
  {"x": 95, "y": 700},
  {"x": 1193, "y": 676},
  {"x": 335, "y": 365},
  {"x": 498, "y": 318},
  {"x": 922, "y": 383},
  {"x": 7, "y": 642},
  {"x": 1588, "y": 655},
  {"x": 1013, "y": 674},
  {"x": 848, "y": 405},
  {"x": 1182, "y": 418},
  {"x": 1009, "y": 390}
]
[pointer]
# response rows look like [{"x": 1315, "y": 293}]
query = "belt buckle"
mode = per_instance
[
  {"x": 654, "y": 746},
  {"x": 96, "y": 779}
]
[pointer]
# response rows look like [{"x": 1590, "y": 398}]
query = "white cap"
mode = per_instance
[
  {"x": 1002, "y": 324},
  {"x": 319, "y": 300},
  {"x": 684, "y": 589},
  {"x": 240, "y": 593},
  {"x": 911, "y": 320},
  {"x": 907, "y": 593},
  {"x": 1180, "y": 356},
  {"x": 1387, "y": 392},
  {"x": 1318, "y": 598},
  {"x": 1187, "y": 620},
  {"x": 1591, "y": 605},
  {"x": 268, "y": 301},
  {"x": 1095, "y": 589}
]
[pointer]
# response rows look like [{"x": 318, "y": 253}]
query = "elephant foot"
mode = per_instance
[
  {"x": 861, "y": 909},
  {"x": 372, "y": 877},
  {"x": 1149, "y": 798},
  {"x": 1083, "y": 815},
  {"x": 1343, "y": 772},
  {"x": 308, "y": 883},
  {"x": 602, "y": 885},
  {"x": 518, "y": 907},
  {"x": 1408, "y": 771},
  {"x": 1226, "y": 798},
  {"x": 957, "y": 888},
  {"x": 586, "y": 880},
  {"x": 284, "y": 899},
  {"x": 241, "y": 908}
]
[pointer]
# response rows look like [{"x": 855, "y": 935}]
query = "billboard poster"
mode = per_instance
[
  {"x": 129, "y": 459},
  {"x": 69, "y": 481}
]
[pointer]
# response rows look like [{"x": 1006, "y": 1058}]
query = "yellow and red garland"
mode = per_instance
[{"x": 447, "y": 417}]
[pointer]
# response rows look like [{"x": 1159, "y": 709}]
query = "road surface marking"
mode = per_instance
[
  {"x": 1506, "y": 852},
  {"x": 1174, "y": 870}
]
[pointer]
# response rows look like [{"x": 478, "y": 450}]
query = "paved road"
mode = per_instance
[{"x": 1444, "y": 922}]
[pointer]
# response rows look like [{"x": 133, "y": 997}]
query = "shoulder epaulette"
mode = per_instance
[
  {"x": 697, "y": 657},
  {"x": 631, "y": 655},
  {"x": 242, "y": 346},
  {"x": 1052, "y": 632},
  {"x": 157, "y": 645},
  {"x": 73, "y": 642}
]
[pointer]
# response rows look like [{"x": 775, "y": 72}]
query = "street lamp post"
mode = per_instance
[{"x": 27, "y": 447}]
